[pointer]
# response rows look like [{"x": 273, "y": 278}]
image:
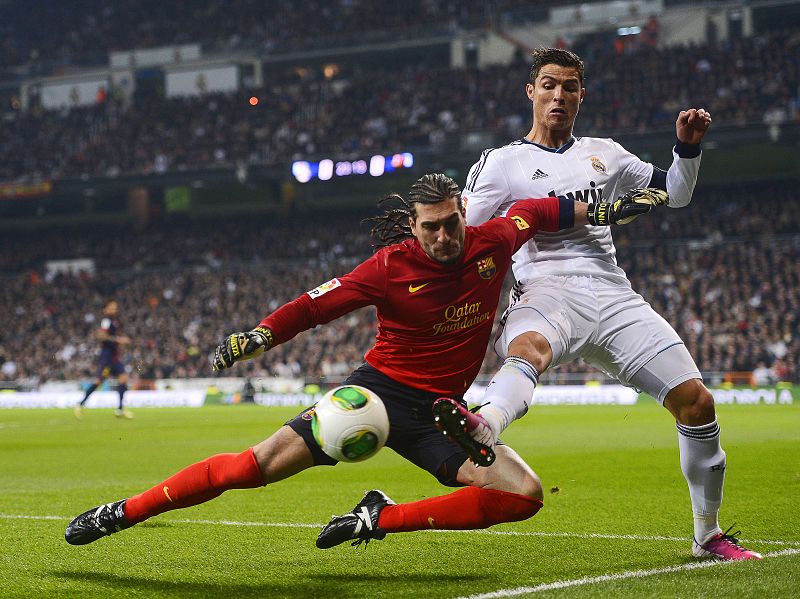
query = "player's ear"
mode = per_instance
[
  {"x": 529, "y": 89},
  {"x": 583, "y": 93}
]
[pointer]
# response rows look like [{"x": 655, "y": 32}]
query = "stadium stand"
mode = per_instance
[
  {"x": 725, "y": 276},
  {"x": 742, "y": 82},
  {"x": 54, "y": 35},
  {"x": 78, "y": 34}
]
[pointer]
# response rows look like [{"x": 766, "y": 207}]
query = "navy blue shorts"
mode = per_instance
[
  {"x": 109, "y": 365},
  {"x": 412, "y": 433}
]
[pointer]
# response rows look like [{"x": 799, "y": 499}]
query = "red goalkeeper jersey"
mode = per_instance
[{"x": 434, "y": 320}]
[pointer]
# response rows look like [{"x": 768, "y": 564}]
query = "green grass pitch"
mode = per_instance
[{"x": 616, "y": 511}]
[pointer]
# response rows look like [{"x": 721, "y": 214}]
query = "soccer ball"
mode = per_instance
[{"x": 350, "y": 423}]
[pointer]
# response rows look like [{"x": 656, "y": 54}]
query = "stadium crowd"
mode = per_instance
[
  {"x": 725, "y": 276},
  {"x": 744, "y": 81},
  {"x": 79, "y": 34},
  {"x": 181, "y": 243}
]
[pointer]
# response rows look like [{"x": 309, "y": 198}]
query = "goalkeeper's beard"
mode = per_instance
[{"x": 445, "y": 253}]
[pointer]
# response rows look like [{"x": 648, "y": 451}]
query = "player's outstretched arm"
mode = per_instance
[
  {"x": 237, "y": 347},
  {"x": 623, "y": 210}
]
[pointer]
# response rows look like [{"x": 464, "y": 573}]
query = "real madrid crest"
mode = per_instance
[
  {"x": 598, "y": 165},
  {"x": 486, "y": 267}
]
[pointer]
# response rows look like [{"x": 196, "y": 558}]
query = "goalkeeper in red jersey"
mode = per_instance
[{"x": 436, "y": 284}]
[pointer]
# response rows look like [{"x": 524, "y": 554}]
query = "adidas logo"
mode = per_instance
[{"x": 539, "y": 174}]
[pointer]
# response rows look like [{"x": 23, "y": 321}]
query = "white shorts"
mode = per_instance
[{"x": 603, "y": 321}]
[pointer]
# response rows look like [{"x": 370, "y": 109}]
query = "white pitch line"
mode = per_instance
[
  {"x": 168, "y": 520},
  {"x": 24, "y": 517},
  {"x": 576, "y": 582},
  {"x": 235, "y": 523},
  {"x": 605, "y": 536},
  {"x": 514, "y": 533}
]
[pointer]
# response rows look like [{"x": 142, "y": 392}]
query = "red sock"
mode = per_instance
[
  {"x": 196, "y": 484},
  {"x": 465, "y": 509}
]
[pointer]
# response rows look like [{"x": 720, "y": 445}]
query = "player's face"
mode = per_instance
[
  {"x": 556, "y": 95},
  {"x": 440, "y": 230},
  {"x": 111, "y": 309}
]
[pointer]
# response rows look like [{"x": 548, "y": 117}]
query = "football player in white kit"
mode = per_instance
[{"x": 571, "y": 299}]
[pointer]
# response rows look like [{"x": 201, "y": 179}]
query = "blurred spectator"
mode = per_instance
[{"x": 763, "y": 375}]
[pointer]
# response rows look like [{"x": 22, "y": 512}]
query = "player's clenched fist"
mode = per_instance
[
  {"x": 241, "y": 346},
  {"x": 626, "y": 207},
  {"x": 692, "y": 125}
]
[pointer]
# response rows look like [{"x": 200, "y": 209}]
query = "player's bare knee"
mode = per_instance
[
  {"x": 526, "y": 483},
  {"x": 691, "y": 403},
  {"x": 509, "y": 473},
  {"x": 531, "y": 486},
  {"x": 703, "y": 407},
  {"x": 534, "y": 348}
]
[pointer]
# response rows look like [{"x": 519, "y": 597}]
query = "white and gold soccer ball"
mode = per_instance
[{"x": 350, "y": 423}]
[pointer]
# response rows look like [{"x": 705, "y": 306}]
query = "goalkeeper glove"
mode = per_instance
[
  {"x": 626, "y": 207},
  {"x": 242, "y": 346}
]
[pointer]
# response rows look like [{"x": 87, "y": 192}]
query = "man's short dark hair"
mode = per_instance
[{"x": 564, "y": 58}]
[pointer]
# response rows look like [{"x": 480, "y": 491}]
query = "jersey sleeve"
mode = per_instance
[
  {"x": 634, "y": 172},
  {"x": 486, "y": 189},
  {"x": 527, "y": 217},
  {"x": 363, "y": 286},
  {"x": 682, "y": 174},
  {"x": 679, "y": 180}
]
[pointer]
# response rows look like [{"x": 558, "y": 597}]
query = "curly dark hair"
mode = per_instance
[
  {"x": 392, "y": 226},
  {"x": 564, "y": 58}
]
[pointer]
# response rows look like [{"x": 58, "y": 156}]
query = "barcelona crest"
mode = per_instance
[{"x": 486, "y": 267}]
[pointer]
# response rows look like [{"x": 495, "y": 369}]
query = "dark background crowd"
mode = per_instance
[
  {"x": 365, "y": 109},
  {"x": 44, "y": 36},
  {"x": 722, "y": 271},
  {"x": 77, "y": 32}
]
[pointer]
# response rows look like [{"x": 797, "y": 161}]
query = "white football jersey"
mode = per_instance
[{"x": 587, "y": 169}]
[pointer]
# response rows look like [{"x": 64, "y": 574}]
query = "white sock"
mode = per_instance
[
  {"x": 509, "y": 393},
  {"x": 703, "y": 466}
]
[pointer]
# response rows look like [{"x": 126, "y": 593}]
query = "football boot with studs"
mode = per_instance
[
  {"x": 724, "y": 546},
  {"x": 460, "y": 424},
  {"x": 96, "y": 523},
  {"x": 359, "y": 526}
]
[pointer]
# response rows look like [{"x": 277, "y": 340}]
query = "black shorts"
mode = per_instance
[
  {"x": 109, "y": 364},
  {"x": 412, "y": 433}
]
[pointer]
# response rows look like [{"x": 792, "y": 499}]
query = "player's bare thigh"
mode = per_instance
[
  {"x": 282, "y": 455},
  {"x": 509, "y": 473}
]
